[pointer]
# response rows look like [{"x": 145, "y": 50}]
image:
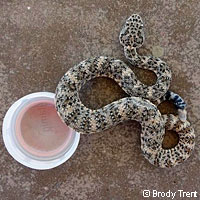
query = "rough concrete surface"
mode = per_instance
[{"x": 41, "y": 40}]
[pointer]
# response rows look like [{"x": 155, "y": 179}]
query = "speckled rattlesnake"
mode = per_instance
[{"x": 136, "y": 107}]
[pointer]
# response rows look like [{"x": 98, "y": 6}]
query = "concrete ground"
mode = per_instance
[{"x": 41, "y": 40}]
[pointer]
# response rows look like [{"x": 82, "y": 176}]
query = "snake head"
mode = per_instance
[{"x": 132, "y": 33}]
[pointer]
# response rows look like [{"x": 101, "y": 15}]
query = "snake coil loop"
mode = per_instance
[{"x": 136, "y": 107}]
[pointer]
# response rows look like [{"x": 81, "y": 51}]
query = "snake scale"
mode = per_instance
[{"x": 137, "y": 107}]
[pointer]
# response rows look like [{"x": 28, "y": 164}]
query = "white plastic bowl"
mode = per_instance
[{"x": 20, "y": 151}]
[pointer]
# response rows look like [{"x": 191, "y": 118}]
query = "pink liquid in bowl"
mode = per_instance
[{"x": 40, "y": 131}]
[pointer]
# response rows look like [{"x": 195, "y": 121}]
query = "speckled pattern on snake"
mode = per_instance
[{"x": 137, "y": 107}]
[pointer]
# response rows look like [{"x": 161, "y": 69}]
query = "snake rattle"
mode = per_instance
[{"x": 137, "y": 107}]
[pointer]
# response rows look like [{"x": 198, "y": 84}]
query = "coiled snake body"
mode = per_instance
[{"x": 136, "y": 107}]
